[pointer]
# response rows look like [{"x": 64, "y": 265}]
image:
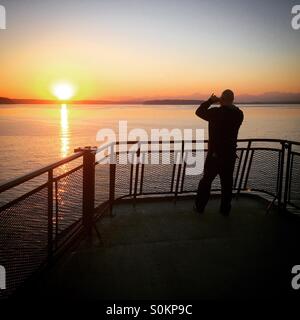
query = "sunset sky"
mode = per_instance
[{"x": 120, "y": 49}]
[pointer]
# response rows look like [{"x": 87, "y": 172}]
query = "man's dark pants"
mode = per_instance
[{"x": 222, "y": 166}]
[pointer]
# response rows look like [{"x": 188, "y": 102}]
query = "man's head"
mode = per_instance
[{"x": 227, "y": 98}]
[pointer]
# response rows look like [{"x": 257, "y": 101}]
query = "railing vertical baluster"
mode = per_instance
[
  {"x": 138, "y": 153},
  {"x": 112, "y": 186},
  {"x": 142, "y": 173},
  {"x": 56, "y": 213},
  {"x": 50, "y": 214},
  {"x": 179, "y": 170},
  {"x": 248, "y": 169},
  {"x": 278, "y": 172},
  {"x": 238, "y": 169},
  {"x": 287, "y": 174},
  {"x": 244, "y": 167},
  {"x": 290, "y": 178},
  {"x": 88, "y": 201},
  {"x": 112, "y": 175},
  {"x": 183, "y": 174},
  {"x": 173, "y": 175},
  {"x": 131, "y": 179},
  {"x": 281, "y": 172},
  {"x": 178, "y": 179}
]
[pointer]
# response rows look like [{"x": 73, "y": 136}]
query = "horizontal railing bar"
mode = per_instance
[
  {"x": 22, "y": 197},
  {"x": 193, "y": 150},
  {"x": 17, "y": 181},
  {"x": 105, "y": 146},
  {"x": 67, "y": 173},
  {"x": 295, "y": 153},
  {"x": 99, "y": 161},
  {"x": 269, "y": 140},
  {"x": 192, "y": 191},
  {"x": 157, "y": 142},
  {"x": 263, "y": 148},
  {"x": 259, "y": 190},
  {"x": 161, "y": 193},
  {"x": 156, "y": 151},
  {"x": 185, "y": 150},
  {"x": 206, "y": 141}
]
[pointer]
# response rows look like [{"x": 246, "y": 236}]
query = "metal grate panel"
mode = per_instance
[{"x": 23, "y": 238}]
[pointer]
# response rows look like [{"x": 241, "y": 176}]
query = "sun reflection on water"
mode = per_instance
[
  {"x": 64, "y": 131},
  {"x": 62, "y": 184}
]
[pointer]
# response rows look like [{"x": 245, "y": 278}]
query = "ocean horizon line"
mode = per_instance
[{"x": 5, "y": 101}]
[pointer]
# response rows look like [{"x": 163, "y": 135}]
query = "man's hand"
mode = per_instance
[
  {"x": 213, "y": 98},
  {"x": 203, "y": 111}
]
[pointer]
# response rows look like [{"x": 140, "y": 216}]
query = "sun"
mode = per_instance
[{"x": 63, "y": 91}]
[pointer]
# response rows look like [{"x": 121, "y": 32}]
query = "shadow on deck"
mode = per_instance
[{"x": 163, "y": 250}]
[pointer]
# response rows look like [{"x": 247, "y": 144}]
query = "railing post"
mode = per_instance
[
  {"x": 112, "y": 184},
  {"x": 50, "y": 214},
  {"x": 287, "y": 175},
  {"x": 238, "y": 169},
  {"x": 136, "y": 180},
  {"x": 248, "y": 169},
  {"x": 142, "y": 173},
  {"x": 173, "y": 176},
  {"x": 244, "y": 168},
  {"x": 56, "y": 212},
  {"x": 179, "y": 170},
  {"x": 183, "y": 174},
  {"x": 281, "y": 173},
  {"x": 88, "y": 201}
]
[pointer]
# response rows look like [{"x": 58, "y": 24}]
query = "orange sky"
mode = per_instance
[{"x": 112, "y": 52}]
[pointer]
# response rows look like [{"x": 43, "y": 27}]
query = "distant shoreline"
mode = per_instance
[
  {"x": 197, "y": 102},
  {"x": 146, "y": 102}
]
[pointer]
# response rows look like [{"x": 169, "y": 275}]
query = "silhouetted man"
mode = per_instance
[{"x": 224, "y": 123}]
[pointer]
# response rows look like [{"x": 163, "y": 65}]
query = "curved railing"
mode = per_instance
[
  {"x": 43, "y": 212},
  {"x": 267, "y": 167}
]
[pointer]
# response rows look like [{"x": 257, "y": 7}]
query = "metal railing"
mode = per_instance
[
  {"x": 43, "y": 212},
  {"x": 266, "y": 167}
]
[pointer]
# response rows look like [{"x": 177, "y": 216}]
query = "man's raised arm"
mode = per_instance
[{"x": 203, "y": 111}]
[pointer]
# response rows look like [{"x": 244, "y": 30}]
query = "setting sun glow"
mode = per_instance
[{"x": 63, "y": 91}]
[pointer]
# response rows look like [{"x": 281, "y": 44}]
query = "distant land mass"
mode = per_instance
[
  {"x": 197, "y": 102},
  {"x": 172, "y": 101},
  {"x": 265, "y": 98},
  {"x": 5, "y": 101}
]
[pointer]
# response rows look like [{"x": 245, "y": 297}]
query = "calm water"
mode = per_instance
[{"x": 32, "y": 136}]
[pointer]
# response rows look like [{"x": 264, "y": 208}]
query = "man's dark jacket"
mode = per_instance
[{"x": 224, "y": 124}]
